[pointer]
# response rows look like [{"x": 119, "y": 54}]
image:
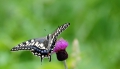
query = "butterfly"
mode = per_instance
[{"x": 42, "y": 47}]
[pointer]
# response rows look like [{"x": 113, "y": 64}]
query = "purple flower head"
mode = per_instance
[
  {"x": 59, "y": 49},
  {"x": 61, "y": 44}
]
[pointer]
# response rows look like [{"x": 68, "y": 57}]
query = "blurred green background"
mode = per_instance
[{"x": 93, "y": 36}]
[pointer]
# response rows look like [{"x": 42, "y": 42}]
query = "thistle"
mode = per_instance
[{"x": 60, "y": 50}]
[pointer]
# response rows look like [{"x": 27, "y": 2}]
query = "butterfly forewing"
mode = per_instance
[{"x": 54, "y": 36}]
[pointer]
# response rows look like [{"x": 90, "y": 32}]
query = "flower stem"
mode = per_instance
[{"x": 65, "y": 64}]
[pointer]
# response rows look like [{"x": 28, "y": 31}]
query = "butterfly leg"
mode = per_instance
[
  {"x": 41, "y": 58},
  {"x": 49, "y": 58}
]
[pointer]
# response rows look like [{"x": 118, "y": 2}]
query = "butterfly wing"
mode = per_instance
[
  {"x": 54, "y": 36},
  {"x": 36, "y": 46},
  {"x": 27, "y": 45}
]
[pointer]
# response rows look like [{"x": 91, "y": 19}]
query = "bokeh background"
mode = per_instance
[{"x": 93, "y": 36}]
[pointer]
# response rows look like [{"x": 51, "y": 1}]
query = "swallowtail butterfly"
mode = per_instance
[{"x": 42, "y": 47}]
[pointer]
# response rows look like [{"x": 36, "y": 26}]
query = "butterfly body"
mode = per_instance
[{"x": 42, "y": 47}]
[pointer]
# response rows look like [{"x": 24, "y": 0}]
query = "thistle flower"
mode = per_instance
[{"x": 60, "y": 49}]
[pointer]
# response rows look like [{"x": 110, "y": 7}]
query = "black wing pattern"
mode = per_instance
[{"x": 42, "y": 47}]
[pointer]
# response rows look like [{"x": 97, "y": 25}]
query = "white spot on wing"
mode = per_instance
[
  {"x": 32, "y": 43},
  {"x": 32, "y": 40},
  {"x": 28, "y": 48},
  {"x": 21, "y": 44},
  {"x": 32, "y": 49},
  {"x": 39, "y": 54},
  {"x": 36, "y": 44},
  {"x": 27, "y": 43},
  {"x": 42, "y": 56},
  {"x": 41, "y": 45},
  {"x": 35, "y": 53},
  {"x": 55, "y": 33}
]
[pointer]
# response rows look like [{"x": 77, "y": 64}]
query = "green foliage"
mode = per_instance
[{"x": 95, "y": 23}]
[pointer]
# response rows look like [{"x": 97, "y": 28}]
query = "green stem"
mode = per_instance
[{"x": 65, "y": 64}]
